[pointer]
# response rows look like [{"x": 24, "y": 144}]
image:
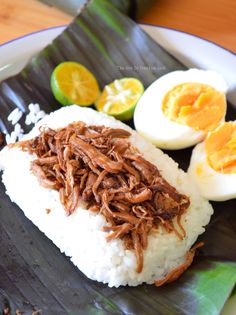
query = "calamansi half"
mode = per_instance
[
  {"x": 72, "y": 83},
  {"x": 120, "y": 97}
]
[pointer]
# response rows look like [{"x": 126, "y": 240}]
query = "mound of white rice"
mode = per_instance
[{"x": 80, "y": 235}]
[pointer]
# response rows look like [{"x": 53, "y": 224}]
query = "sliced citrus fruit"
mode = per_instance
[
  {"x": 120, "y": 97},
  {"x": 72, "y": 83}
]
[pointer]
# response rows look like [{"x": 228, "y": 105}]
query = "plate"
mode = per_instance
[{"x": 192, "y": 51}]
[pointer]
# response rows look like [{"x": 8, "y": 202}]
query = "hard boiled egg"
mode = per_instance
[
  {"x": 213, "y": 163},
  {"x": 177, "y": 110}
]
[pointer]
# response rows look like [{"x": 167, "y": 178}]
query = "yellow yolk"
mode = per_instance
[
  {"x": 221, "y": 148},
  {"x": 194, "y": 104}
]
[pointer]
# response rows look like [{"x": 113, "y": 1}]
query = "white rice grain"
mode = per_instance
[
  {"x": 34, "y": 108},
  {"x": 34, "y": 115},
  {"x": 15, "y": 116}
]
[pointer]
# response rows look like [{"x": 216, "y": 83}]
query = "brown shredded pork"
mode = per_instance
[
  {"x": 1, "y": 138},
  {"x": 98, "y": 166}
]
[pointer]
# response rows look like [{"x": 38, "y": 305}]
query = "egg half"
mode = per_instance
[
  {"x": 177, "y": 110},
  {"x": 213, "y": 164}
]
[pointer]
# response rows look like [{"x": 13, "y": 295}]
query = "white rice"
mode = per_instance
[
  {"x": 80, "y": 235},
  {"x": 15, "y": 116},
  {"x": 15, "y": 135},
  {"x": 35, "y": 115}
]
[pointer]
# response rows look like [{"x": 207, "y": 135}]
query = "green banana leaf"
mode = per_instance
[{"x": 34, "y": 275}]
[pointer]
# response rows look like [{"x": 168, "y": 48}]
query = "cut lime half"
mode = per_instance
[
  {"x": 120, "y": 97},
  {"x": 72, "y": 83}
]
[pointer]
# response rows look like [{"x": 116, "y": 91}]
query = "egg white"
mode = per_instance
[
  {"x": 211, "y": 184},
  {"x": 150, "y": 120}
]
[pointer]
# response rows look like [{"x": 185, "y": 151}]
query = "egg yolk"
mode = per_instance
[
  {"x": 194, "y": 104},
  {"x": 220, "y": 148}
]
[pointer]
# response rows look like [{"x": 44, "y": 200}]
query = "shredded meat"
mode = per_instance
[
  {"x": 1, "y": 138},
  {"x": 96, "y": 157},
  {"x": 100, "y": 168},
  {"x": 177, "y": 272}
]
